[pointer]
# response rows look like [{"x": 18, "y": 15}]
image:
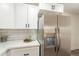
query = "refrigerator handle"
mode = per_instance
[
  {"x": 57, "y": 31},
  {"x": 58, "y": 37}
]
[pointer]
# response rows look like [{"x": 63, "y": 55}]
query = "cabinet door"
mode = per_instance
[
  {"x": 32, "y": 16},
  {"x": 30, "y": 51},
  {"x": 6, "y": 15},
  {"x": 21, "y": 16}
]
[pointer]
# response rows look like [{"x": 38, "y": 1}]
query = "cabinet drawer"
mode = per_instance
[{"x": 30, "y": 51}]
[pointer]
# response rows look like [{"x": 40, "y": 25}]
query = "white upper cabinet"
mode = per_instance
[
  {"x": 7, "y": 15},
  {"x": 51, "y": 7},
  {"x": 21, "y": 16},
  {"x": 32, "y": 16},
  {"x": 18, "y": 16},
  {"x": 26, "y": 16}
]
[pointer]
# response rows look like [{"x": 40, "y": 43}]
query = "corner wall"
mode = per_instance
[{"x": 74, "y": 31}]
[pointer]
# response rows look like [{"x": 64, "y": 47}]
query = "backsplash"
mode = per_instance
[{"x": 19, "y": 34}]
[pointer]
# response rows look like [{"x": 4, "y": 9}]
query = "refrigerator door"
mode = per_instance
[
  {"x": 50, "y": 23},
  {"x": 65, "y": 34}
]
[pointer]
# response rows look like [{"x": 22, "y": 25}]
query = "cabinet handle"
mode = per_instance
[
  {"x": 26, "y": 25},
  {"x": 26, "y": 54},
  {"x": 53, "y": 6}
]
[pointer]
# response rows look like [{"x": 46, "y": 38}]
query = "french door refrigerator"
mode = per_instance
[{"x": 54, "y": 34}]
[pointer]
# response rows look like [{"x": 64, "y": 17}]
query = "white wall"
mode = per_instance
[{"x": 74, "y": 31}]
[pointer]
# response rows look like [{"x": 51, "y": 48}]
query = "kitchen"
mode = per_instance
[
  {"x": 33, "y": 29},
  {"x": 18, "y": 33}
]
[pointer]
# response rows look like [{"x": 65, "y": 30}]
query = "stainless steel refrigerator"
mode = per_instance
[{"x": 54, "y": 34}]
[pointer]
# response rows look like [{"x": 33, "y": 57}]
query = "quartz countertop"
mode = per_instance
[{"x": 4, "y": 46}]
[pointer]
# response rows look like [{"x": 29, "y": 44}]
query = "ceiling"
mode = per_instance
[{"x": 71, "y": 7}]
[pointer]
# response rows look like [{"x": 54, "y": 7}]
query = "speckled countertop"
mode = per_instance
[{"x": 4, "y": 46}]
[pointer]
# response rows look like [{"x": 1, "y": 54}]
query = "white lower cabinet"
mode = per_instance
[
  {"x": 29, "y": 51},
  {"x": 5, "y": 54}
]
